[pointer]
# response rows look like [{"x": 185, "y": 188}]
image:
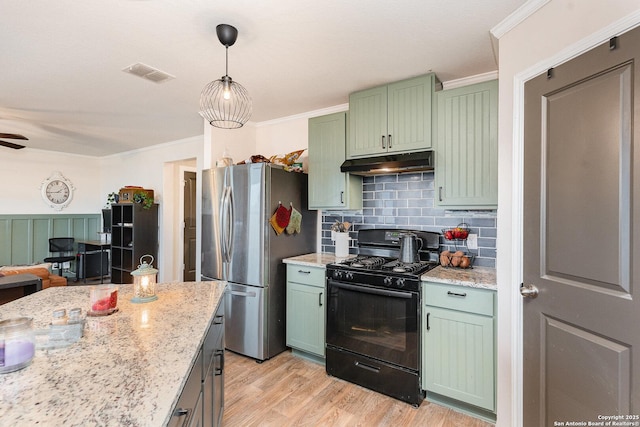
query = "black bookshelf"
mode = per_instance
[{"x": 134, "y": 233}]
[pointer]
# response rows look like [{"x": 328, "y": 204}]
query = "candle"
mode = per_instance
[
  {"x": 17, "y": 344},
  {"x": 18, "y": 352}
]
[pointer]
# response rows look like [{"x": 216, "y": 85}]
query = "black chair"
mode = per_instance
[{"x": 63, "y": 246}]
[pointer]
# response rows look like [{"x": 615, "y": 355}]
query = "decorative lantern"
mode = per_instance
[{"x": 144, "y": 282}]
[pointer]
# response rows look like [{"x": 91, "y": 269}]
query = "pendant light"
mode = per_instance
[{"x": 224, "y": 103}]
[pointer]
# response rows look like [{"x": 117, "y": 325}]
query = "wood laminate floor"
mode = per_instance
[{"x": 290, "y": 391}]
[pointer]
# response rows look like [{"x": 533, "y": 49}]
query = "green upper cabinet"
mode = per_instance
[
  {"x": 394, "y": 118},
  {"x": 466, "y": 147},
  {"x": 328, "y": 187}
]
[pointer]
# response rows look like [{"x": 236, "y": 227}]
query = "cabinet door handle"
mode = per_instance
[
  {"x": 455, "y": 294},
  {"x": 304, "y": 271},
  {"x": 383, "y": 146},
  {"x": 186, "y": 413},
  {"x": 219, "y": 370},
  {"x": 320, "y": 299},
  {"x": 389, "y": 141},
  {"x": 428, "y": 326},
  {"x": 218, "y": 320},
  {"x": 439, "y": 194},
  {"x": 181, "y": 412},
  {"x": 342, "y": 197}
]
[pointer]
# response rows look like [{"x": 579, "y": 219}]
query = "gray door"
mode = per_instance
[
  {"x": 582, "y": 238},
  {"x": 189, "y": 257}
]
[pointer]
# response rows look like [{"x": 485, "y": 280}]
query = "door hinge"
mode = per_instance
[
  {"x": 613, "y": 43},
  {"x": 550, "y": 73}
]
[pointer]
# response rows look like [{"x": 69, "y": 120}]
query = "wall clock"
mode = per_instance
[{"x": 57, "y": 191}]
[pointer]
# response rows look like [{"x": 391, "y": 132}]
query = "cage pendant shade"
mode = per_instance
[
  {"x": 229, "y": 111},
  {"x": 224, "y": 103}
]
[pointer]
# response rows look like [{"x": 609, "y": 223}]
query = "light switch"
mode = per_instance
[{"x": 472, "y": 241}]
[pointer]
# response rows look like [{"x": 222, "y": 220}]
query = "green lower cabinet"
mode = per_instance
[
  {"x": 458, "y": 348},
  {"x": 305, "y": 310}
]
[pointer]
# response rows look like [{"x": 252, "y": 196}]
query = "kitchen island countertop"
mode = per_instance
[
  {"x": 476, "y": 277},
  {"x": 128, "y": 369}
]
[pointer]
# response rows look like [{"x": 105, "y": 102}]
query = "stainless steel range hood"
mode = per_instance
[{"x": 390, "y": 164}]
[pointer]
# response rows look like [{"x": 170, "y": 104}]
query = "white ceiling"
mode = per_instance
[{"x": 61, "y": 83}]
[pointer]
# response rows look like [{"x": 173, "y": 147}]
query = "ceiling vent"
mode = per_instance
[{"x": 149, "y": 73}]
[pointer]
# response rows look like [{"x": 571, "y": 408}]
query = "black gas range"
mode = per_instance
[
  {"x": 380, "y": 271},
  {"x": 377, "y": 262},
  {"x": 373, "y": 314}
]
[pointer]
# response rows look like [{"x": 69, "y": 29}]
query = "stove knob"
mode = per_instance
[
  {"x": 337, "y": 274},
  {"x": 400, "y": 282},
  {"x": 348, "y": 275},
  {"x": 388, "y": 281}
]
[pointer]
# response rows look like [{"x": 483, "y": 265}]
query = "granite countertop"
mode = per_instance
[
  {"x": 317, "y": 259},
  {"x": 128, "y": 369},
  {"x": 476, "y": 277}
]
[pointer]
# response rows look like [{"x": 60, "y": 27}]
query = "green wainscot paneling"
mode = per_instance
[{"x": 24, "y": 239}]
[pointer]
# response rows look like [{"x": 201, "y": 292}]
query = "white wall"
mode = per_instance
[
  {"x": 155, "y": 168},
  {"x": 288, "y": 134},
  {"x": 282, "y": 136},
  {"x": 23, "y": 171},
  {"x": 559, "y": 30},
  {"x": 144, "y": 167},
  {"x": 239, "y": 143}
]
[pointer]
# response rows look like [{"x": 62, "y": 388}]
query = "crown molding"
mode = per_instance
[
  {"x": 465, "y": 81},
  {"x": 513, "y": 20},
  {"x": 306, "y": 115}
]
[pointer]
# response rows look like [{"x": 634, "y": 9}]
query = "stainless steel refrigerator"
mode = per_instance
[{"x": 240, "y": 246}]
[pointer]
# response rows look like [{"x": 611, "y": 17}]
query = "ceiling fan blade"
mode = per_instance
[
  {"x": 11, "y": 145},
  {"x": 13, "y": 136}
]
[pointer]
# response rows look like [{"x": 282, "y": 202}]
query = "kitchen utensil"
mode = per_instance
[
  {"x": 340, "y": 227},
  {"x": 409, "y": 247}
]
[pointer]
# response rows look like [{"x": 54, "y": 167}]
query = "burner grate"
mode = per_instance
[
  {"x": 401, "y": 267},
  {"x": 368, "y": 262},
  {"x": 381, "y": 264}
]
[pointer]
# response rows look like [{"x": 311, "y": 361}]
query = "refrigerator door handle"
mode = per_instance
[
  {"x": 243, "y": 294},
  {"x": 227, "y": 224},
  {"x": 232, "y": 221},
  {"x": 224, "y": 224}
]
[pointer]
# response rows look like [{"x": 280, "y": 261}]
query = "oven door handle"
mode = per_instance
[{"x": 366, "y": 290}]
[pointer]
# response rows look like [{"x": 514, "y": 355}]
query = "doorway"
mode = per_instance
[
  {"x": 581, "y": 200},
  {"x": 189, "y": 230}
]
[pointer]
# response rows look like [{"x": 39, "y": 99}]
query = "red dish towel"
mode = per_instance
[
  {"x": 282, "y": 216},
  {"x": 280, "y": 219}
]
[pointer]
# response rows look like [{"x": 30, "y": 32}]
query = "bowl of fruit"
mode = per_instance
[
  {"x": 461, "y": 232},
  {"x": 457, "y": 259}
]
